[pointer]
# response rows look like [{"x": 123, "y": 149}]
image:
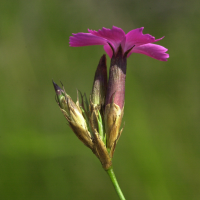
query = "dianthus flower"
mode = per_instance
[
  {"x": 118, "y": 46},
  {"x": 97, "y": 122},
  {"x": 113, "y": 38}
]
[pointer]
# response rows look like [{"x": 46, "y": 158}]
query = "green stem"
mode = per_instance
[{"x": 115, "y": 183}]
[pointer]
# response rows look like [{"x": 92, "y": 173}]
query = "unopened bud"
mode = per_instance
[
  {"x": 73, "y": 114},
  {"x": 100, "y": 83},
  {"x": 60, "y": 94}
]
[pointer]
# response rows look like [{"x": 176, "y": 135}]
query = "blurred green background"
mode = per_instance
[{"x": 158, "y": 154}]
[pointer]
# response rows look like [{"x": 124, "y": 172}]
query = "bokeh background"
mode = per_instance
[{"x": 158, "y": 154}]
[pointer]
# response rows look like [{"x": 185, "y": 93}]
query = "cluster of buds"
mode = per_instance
[
  {"x": 94, "y": 122},
  {"x": 97, "y": 121}
]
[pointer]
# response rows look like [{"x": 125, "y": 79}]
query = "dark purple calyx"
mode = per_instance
[{"x": 117, "y": 77}]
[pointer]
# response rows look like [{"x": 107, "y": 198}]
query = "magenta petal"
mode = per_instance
[
  {"x": 137, "y": 38},
  {"x": 141, "y": 43},
  {"x": 108, "y": 50},
  {"x": 114, "y": 36},
  {"x": 152, "y": 50},
  {"x": 85, "y": 39}
]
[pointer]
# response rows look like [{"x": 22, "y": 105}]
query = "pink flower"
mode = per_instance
[{"x": 135, "y": 39}]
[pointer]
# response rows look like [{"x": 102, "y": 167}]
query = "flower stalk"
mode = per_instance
[{"x": 113, "y": 179}]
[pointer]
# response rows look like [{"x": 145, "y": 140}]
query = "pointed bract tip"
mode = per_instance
[
  {"x": 103, "y": 58},
  {"x": 56, "y": 87},
  {"x": 102, "y": 63}
]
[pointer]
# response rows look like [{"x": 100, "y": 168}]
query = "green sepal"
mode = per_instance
[
  {"x": 100, "y": 126},
  {"x": 86, "y": 119}
]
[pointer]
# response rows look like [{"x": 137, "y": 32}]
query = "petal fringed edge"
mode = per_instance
[
  {"x": 86, "y": 39},
  {"x": 114, "y": 36},
  {"x": 137, "y": 38},
  {"x": 152, "y": 50}
]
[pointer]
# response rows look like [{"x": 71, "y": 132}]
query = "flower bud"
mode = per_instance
[
  {"x": 73, "y": 114},
  {"x": 100, "y": 83},
  {"x": 60, "y": 94}
]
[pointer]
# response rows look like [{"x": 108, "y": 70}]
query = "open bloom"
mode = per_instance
[
  {"x": 135, "y": 39},
  {"x": 118, "y": 46}
]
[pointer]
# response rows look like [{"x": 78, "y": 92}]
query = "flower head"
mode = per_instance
[
  {"x": 79, "y": 123},
  {"x": 118, "y": 46},
  {"x": 111, "y": 39}
]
